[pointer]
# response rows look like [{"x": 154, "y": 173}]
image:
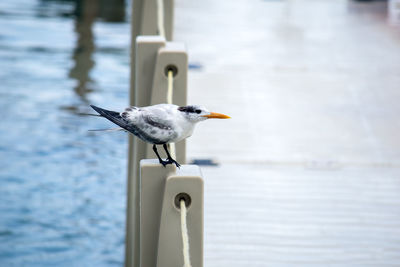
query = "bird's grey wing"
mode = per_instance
[
  {"x": 147, "y": 127},
  {"x": 158, "y": 127}
]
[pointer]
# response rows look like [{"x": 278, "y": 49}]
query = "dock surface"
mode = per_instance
[{"x": 309, "y": 170}]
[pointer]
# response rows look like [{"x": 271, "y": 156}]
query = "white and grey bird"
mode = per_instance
[{"x": 160, "y": 124}]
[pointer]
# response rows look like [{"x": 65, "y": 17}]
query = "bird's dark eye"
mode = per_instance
[{"x": 198, "y": 111}]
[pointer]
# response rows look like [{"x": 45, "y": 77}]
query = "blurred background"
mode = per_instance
[{"x": 307, "y": 173}]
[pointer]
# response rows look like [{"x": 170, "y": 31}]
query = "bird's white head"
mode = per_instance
[{"x": 197, "y": 113}]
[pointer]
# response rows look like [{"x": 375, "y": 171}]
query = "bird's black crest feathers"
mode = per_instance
[{"x": 189, "y": 109}]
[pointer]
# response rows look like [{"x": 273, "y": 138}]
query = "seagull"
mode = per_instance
[{"x": 160, "y": 124}]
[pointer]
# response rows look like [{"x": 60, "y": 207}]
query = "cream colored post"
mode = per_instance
[
  {"x": 188, "y": 185},
  {"x": 146, "y": 53},
  {"x": 160, "y": 228},
  {"x": 144, "y": 22},
  {"x": 154, "y": 57},
  {"x": 153, "y": 60},
  {"x": 172, "y": 56},
  {"x": 144, "y": 18}
]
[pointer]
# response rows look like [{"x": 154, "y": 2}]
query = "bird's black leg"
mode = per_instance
[
  {"x": 158, "y": 156},
  {"x": 170, "y": 159}
]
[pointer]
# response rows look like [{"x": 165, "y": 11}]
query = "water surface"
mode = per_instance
[{"x": 62, "y": 188}]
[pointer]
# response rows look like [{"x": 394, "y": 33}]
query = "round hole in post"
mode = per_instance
[
  {"x": 172, "y": 68},
  {"x": 182, "y": 196}
]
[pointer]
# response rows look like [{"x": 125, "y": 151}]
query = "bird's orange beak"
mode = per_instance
[{"x": 214, "y": 115}]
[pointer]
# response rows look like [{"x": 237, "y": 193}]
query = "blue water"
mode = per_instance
[{"x": 62, "y": 188}]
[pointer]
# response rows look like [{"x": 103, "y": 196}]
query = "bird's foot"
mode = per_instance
[
  {"x": 164, "y": 162},
  {"x": 175, "y": 162},
  {"x": 170, "y": 161}
]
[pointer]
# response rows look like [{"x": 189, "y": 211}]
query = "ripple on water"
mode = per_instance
[{"x": 62, "y": 189}]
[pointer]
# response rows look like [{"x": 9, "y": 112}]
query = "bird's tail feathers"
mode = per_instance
[
  {"x": 89, "y": 114},
  {"x": 105, "y": 112},
  {"x": 107, "y": 130},
  {"x": 113, "y": 116}
]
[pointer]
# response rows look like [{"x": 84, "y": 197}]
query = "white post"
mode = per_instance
[
  {"x": 153, "y": 58},
  {"x": 187, "y": 184},
  {"x": 160, "y": 227},
  {"x": 144, "y": 18},
  {"x": 144, "y": 78},
  {"x": 171, "y": 56}
]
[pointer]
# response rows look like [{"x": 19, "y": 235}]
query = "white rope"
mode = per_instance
[
  {"x": 169, "y": 101},
  {"x": 170, "y": 86},
  {"x": 160, "y": 17},
  {"x": 185, "y": 236},
  {"x": 161, "y": 31}
]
